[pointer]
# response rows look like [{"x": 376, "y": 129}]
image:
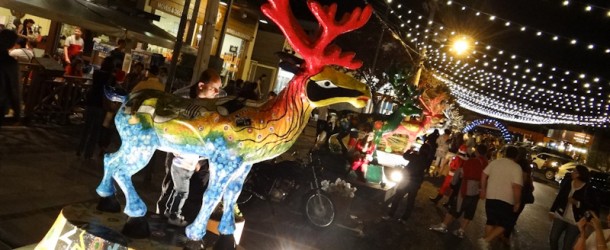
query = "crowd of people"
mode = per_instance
[{"x": 504, "y": 183}]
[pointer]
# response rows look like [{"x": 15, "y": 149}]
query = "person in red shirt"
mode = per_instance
[
  {"x": 468, "y": 180},
  {"x": 455, "y": 163},
  {"x": 73, "y": 46}
]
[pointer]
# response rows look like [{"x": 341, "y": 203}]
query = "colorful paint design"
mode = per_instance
[{"x": 232, "y": 142}]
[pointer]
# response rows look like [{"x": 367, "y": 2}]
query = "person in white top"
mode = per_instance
[
  {"x": 23, "y": 52},
  {"x": 501, "y": 184},
  {"x": 599, "y": 239},
  {"x": 73, "y": 45}
]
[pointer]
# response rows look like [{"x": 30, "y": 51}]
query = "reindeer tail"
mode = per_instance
[{"x": 114, "y": 94}]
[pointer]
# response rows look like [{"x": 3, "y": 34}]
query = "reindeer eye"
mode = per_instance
[{"x": 326, "y": 84}]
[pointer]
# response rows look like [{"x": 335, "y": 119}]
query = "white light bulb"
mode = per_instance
[
  {"x": 588, "y": 8},
  {"x": 491, "y": 18},
  {"x": 555, "y": 38},
  {"x": 573, "y": 41},
  {"x": 582, "y": 76},
  {"x": 607, "y": 51},
  {"x": 591, "y": 46},
  {"x": 566, "y": 3},
  {"x": 523, "y": 28},
  {"x": 507, "y": 24},
  {"x": 399, "y": 6},
  {"x": 538, "y": 33},
  {"x": 449, "y": 2},
  {"x": 478, "y": 14}
]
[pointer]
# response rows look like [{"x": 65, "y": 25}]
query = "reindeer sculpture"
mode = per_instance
[{"x": 232, "y": 142}]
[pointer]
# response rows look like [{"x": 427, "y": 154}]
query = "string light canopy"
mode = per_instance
[
  {"x": 505, "y": 134},
  {"x": 534, "y": 32},
  {"x": 587, "y": 7},
  {"x": 507, "y": 86}
]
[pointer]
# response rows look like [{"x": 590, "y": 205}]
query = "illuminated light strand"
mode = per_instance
[
  {"x": 487, "y": 46},
  {"x": 503, "y": 130},
  {"x": 500, "y": 109},
  {"x": 587, "y": 7},
  {"x": 527, "y": 76},
  {"x": 508, "y": 24},
  {"x": 574, "y": 118},
  {"x": 554, "y": 99},
  {"x": 547, "y": 84},
  {"x": 553, "y": 104}
]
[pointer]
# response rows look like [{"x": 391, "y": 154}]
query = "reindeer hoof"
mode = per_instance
[
  {"x": 109, "y": 204},
  {"x": 194, "y": 245},
  {"x": 225, "y": 242},
  {"x": 136, "y": 227}
]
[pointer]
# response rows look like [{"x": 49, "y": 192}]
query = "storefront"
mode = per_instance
[{"x": 238, "y": 41}]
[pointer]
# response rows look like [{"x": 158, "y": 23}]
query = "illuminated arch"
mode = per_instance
[{"x": 505, "y": 134}]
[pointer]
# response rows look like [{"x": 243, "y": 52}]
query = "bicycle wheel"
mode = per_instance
[{"x": 319, "y": 209}]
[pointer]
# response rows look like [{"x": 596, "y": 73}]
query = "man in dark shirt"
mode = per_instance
[
  {"x": 419, "y": 162},
  {"x": 9, "y": 76}
]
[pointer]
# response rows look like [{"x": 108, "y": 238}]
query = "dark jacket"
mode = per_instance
[
  {"x": 9, "y": 81},
  {"x": 585, "y": 196},
  {"x": 417, "y": 167},
  {"x": 95, "y": 95}
]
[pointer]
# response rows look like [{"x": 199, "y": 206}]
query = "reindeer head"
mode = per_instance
[{"x": 323, "y": 85}]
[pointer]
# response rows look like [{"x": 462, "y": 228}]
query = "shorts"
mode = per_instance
[
  {"x": 499, "y": 213},
  {"x": 468, "y": 208}
]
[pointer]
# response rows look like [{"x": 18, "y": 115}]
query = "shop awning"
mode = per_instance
[{"x": 94, "y": 17}]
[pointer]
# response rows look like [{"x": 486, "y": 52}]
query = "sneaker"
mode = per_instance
[
  {"x": 177, "y": 220},
  {"x": 441, "y": 228},
  {"x": 459, "y": 233},
  {"x": 483, "y": 244}
]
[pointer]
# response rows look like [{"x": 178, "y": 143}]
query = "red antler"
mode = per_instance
[{"x": 318, "y": 53}]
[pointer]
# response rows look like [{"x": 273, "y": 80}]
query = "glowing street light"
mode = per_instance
[{"x": 461, "y": 46}]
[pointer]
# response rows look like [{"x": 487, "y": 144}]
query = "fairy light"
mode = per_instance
[
  {"x": 539, "y": 33},
  {"x": 505, "y": 133},
  {"x": 484, "y": 78}
]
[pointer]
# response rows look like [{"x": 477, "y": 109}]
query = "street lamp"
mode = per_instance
[{"x": 461, "y": 46}]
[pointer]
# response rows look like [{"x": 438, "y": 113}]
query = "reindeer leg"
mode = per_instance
[
  {"x": 220, "y": 175},
  {"x": 108, "y": 201},
  {"x": 227, "y": 224}
]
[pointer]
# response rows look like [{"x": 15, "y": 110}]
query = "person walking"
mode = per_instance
[
  {"x": 419, "y": 162},
  {"x": 572, "y": 201},
  {"x": 469, "y": 177},
  {"x": 455, "y": 163},
  {"x": 527, "y": 196},
  {"x": 501, "y": 184}
]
